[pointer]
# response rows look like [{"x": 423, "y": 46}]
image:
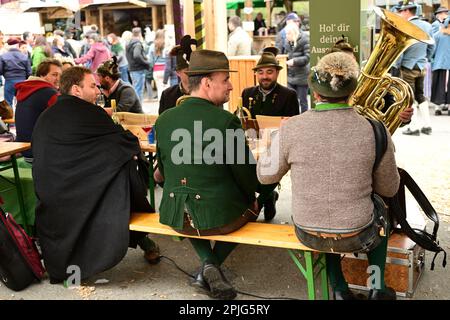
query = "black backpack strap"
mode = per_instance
[
  {"x": 422, "y": 238},
  {"x": 380, "y": 141}
]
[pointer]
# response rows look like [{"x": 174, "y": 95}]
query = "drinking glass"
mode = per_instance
[{"x": 100, "y": 101}]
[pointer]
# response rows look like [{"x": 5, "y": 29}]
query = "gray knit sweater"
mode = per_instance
[{"x": 331, "y": 155}]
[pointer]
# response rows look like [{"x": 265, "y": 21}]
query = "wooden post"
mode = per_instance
[
  {"x": 169, "y": 12},
  {"x": 215, "y": 17},
  {"x": 445, "y": 3},
  {"x": 269, "y": 14},
  {"x": 188, "y": 18},
  {"x": 88, "y": 17},
  {"x": 249, "y": 17},
  {"x": 154, "y": 18},
  {"x": 100, "y": 27}
]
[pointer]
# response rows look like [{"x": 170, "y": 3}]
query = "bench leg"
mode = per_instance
[
  {"x": 308, "y": 272},
  {"x": 310, "y": 275}
]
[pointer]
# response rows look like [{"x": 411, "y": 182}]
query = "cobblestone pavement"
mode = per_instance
[{"x": 267, "y": 272}]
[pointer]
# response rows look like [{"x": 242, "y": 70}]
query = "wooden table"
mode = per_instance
[
  {"x": 11, "y": 149},
  {"x": 147, "y": 147},
  {"x": 9, "y": 121}
]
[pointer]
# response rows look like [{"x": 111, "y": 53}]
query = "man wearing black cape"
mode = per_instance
[{"x": 88, "y": 176}]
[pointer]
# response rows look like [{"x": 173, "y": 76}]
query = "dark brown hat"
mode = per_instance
[
  {"x": 208, "y": 61},
  {"x": 441, "y": 9},
  {"x": 268, "y": 59},
  {"x": 341, "y": 45},
  {"x": 273, "y": 50}
]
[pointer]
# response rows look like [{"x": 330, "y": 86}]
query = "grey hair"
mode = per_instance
[
  {"x": 336, "y": 68},
  {"x": 235, "y": 21}
]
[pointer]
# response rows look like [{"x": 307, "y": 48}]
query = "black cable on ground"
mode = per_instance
[{"x": 241, "y": 292}]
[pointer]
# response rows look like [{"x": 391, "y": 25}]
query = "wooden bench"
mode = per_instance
[{"x": 255, "y": 233}]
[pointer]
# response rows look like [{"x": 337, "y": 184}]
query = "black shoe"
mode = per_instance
[
  {"x": 409, "y": 132},
  {"x": 438, "y": 112},
  {"x": 153, "y": 256},
  {"x": 199, "y": 282},
  {"x": 426, "y": 130},
  {"x": 269, "y": 207},
  {"x": 347, "y": 295},
  {"x": 219, "y": 288},
  {"x": 387, "y": 294}
]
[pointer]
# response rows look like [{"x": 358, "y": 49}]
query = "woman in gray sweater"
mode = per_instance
[{"x": 333, "y": 178}]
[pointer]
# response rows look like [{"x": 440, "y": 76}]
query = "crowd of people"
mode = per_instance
[
  {"x": 82, "y": 214},
  {"x": 142, "y": 61}
]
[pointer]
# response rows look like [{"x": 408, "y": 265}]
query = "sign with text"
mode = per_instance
[{"x": 329, "y": 21}]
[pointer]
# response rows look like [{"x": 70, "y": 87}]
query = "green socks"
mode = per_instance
[
  {"x": 215, "y": 256},
  {"x": 334, "y": 271}
]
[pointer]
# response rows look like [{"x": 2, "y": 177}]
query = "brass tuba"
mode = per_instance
[{"x": 396, "y": 36}]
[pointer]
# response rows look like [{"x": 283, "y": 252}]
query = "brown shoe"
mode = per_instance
[{"x": 153, "y": 255}]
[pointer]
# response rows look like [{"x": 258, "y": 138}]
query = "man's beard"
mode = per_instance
[
  {"x": 267, "y": 86},
  {"x": 105, "y": 86}
]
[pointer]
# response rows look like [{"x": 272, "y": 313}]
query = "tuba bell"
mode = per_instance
[{"x": 374, "y": 81}]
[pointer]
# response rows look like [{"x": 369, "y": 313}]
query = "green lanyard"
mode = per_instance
[{"x": 331, "y": 106}]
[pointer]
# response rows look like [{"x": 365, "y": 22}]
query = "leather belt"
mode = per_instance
[{"x": 332, "y": 235}]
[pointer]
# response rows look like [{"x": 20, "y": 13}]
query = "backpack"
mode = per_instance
[
  {"x": 397, "y": 205},
  {"x": 6, "y": 136},
  {"x": 20, "y": 261}
]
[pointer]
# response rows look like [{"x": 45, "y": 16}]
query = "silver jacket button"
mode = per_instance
[
  {"x": 197, "y": 197},
  {"x": 171, "y": 195}
]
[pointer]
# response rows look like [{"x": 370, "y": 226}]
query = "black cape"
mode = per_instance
[{"x": 86, "y": 181}]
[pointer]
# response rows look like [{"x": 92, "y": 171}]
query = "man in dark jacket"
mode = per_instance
[
  {"x": 87, "y": 180},
  {"x": 14, "y": 67},
  {"x": 269, "y": 98},
  {"x": 34, "y": 96},
  {"x": 170, "y": 96},
  {"x": 114, "y": 88},
  {"x": 138, "y": 63}
]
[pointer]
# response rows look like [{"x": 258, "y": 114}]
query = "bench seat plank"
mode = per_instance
[{"x": 255, "y": 233}]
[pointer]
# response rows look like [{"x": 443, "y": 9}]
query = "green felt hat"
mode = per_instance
[
  {"x": 208, "y": 61},
  {"x": 334, "y": 76},
  {"x": 268, "y": 59}
]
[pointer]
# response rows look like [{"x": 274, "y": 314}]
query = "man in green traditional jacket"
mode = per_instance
[{"x": 209, "y": 172}]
